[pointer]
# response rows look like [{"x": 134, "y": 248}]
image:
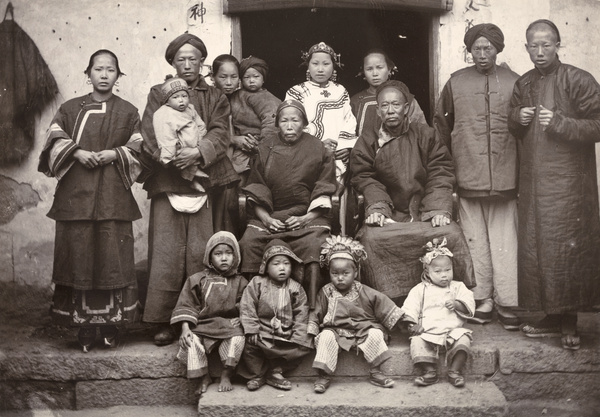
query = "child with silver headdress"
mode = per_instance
[
  {"x": 436, "y": 309},
  {"x": 274, "y": 314},
  {"x": 350, "y": 315}
]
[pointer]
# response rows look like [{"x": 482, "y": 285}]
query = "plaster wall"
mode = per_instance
[{"x": 67, "y": 32}]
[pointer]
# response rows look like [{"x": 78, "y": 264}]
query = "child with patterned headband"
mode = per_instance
[
  {"x": 350, "y": 315},
  {"x": 436, "y": 309}
]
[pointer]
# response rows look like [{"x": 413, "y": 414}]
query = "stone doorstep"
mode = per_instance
[
  {"x": 141, "y": 359},
  {"x": 358, "y": 398}
]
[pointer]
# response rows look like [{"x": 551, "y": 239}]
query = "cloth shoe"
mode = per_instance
[
  {"x": 483, "y": 312},
  {"x": 164, "y": 336},
  {"x": 507, "y": 318}
]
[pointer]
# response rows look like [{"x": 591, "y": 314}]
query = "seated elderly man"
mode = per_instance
[{"x": 407, "y": 177}]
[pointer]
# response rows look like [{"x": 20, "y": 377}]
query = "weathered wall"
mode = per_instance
[{"x": 67, "y": 32}]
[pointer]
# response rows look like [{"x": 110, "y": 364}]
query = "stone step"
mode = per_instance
[
  {"x": 48, "y": 370},
  {"x": 358, "y": 398}
]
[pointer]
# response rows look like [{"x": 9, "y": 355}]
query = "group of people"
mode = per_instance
[{"x": 498, "y": 140}]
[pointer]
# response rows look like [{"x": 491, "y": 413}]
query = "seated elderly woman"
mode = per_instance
[
  {"x": 407, "y": 177},
  {"x": 289, "y": 189}
]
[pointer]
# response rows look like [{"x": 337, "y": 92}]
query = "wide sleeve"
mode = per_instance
[
  {"x": 440, "y": 178},
  {"x": 347, "y": 137},
  {"x": 188, "y": 305},
  {"x": 514, "y": 109},
  {"x": 265, "y": 108},
  {"x": 249, "y": 308},
  {"x": 256, "y": 188},
  {"x": 465, "y": 296},
  {"x": 240, "y": 291},
  {"x": 128, "y": 155},
  {"x": 56, "y": 157},
  {"x": 386, "y": 311},
  {"x": 153, "y": 103},
  {"x": 364, "y": 180},
  {"x": 215, "y": 143},
  {"x": 584, "y": 98},
  {"x": 316, "y": 315},
  {"x": 326, "y": 184},
  {"x": 165, "y": 131},
  {"x": 300, "y": 316},
  {"x": 413, "y": 304},
  {"x": 443, "y": 120}
]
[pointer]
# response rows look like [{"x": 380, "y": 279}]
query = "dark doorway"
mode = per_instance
[{"x": 279, "y": 37}]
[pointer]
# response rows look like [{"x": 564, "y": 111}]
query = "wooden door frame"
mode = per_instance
[{"x": 434, "y": 53}]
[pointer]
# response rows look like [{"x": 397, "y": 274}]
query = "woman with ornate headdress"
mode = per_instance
[{"x": 327, "y": 103}]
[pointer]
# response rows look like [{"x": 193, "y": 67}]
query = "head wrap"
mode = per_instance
[
  {"x": 181, "y": 40},
  {"x": 341, "y": 247},
  {"x": 290, "y": 102},
  {"x": 256, "y": 63},
  {"x": 435, "y": 249},
  {"x": 228, "y": 239},
  {"x": 171, "y": 86},
  {"x": 489, "y": 31},
  {"x": 322, "y": 47},
  {"x": 546, "y": 22},
  {"x": 398, "y": 85},
  {"x": 279, "y": 247}
]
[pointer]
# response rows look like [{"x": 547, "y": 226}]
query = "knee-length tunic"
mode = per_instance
[
  {"x": 289, "y": 180},
  {"x": 93, "y": 208},
  {"x": 559, "y": 228},
  {"x": 409, "y": 179}
]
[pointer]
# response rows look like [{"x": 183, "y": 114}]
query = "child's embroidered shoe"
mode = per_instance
[
  {"x": 322, "y": 384},
  {"x": 456, "y": 379},
  {"x": 380, "y": 380},
  {"x": 277, "y": 380},
  {"x": 255, "y": 383},
  {"x": 428, "y": 378}
]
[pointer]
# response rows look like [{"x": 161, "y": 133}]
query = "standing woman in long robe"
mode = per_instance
[
  {"x": 91, "y": 148},
  {"x": 555, "y": 114}
]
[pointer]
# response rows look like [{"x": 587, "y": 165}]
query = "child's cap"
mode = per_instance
[
  {"x": 435, "y": 249},
  {"x": 226, "y": 238},
  {"x": 171, "y": 86},
  {"x": 258, "y": 64},
  {"x": 279, "y": 247},
  {"x": 341, "y": 247}
]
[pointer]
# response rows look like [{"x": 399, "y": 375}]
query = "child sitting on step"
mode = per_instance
[
  {"x": 350, "y": 315},
  {"x": 208, "y": 312},
  {"x": 436, "y": 309},
  {"x": 274, "y": 314}
]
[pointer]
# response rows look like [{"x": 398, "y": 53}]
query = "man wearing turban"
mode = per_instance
[
  {"x": 181, "y": 218},
  {"x": 471, "y": 118}
]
